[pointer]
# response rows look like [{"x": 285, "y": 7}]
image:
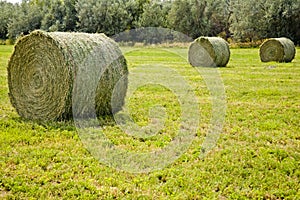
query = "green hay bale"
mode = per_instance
[
  {"x": 278, "y": 50},
  {"x": 44, "y": 67},
  {"x": 209, "y": 52}
]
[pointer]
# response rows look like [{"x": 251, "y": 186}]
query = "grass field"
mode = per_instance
[{"x": 256, "y": 157}]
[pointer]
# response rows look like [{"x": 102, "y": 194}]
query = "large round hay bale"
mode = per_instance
[
  {"x": 43, "y": 69},
  {"x": 278, "y": 50},
  {"x": 209, "y": 52}
]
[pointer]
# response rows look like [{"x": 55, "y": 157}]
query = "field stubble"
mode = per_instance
[{"x": 256, "y": 157}]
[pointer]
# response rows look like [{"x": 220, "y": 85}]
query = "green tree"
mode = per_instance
[
  {"x": 136, "y": 8},
  {"x": 249, "y": 20},
  {"x": 197, "y": 17},
  {"x": 28, "y": 17},
  {"x": 70, "y": 18},
  {"x": 258, "y": 19},
  {"x": 283, "y": 19},
  {"x": 105, "y": 16},
  {"x": 218, "y": 15},
  {"x": 155, "y": 14},
  {"x": 7, "y": 13},
  {"x": 248, "y": 23},
  {"x": 87, "y": 19},
  {"x": 179, "y": 18},
  {"x": 54, "y": 16},
  {"x": 60, "y": 15}
]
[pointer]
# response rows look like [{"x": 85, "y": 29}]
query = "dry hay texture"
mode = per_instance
[
  {"x": 278, "y": 50},
  {"x": 209, "y": 52},
  {"x": 43, "y": 69}
]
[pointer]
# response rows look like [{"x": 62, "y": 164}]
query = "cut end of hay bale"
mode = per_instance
[
  {"x": 209, "y": 52},
  {"x": 278, "y": 50},
  {"x": 44, "y": 68}
]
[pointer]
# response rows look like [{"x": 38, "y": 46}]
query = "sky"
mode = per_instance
[{"x": 14, "y": 1}]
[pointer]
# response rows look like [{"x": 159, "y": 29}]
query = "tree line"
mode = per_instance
[{"x": 240, "y": 20}]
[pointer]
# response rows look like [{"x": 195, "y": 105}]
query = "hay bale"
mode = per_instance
[
  {"x": 44, "y": 67},
  {"x": 278, "y": 50},
  {"x": 209, "y": 52}
]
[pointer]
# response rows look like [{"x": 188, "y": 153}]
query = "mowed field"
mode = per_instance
[{"x": 256, "y": 157}]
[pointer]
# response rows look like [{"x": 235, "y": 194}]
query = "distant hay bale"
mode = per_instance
[
  {"x": 278, "y": 50},
  {"x": 45, "y": 66},
  {"x": 209, "y": 52}
]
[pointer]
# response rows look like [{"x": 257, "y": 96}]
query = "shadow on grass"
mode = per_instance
[{"x": 63, "y": 125}]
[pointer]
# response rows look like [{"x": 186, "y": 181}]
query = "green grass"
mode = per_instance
[{"x": 257, "y": 155}]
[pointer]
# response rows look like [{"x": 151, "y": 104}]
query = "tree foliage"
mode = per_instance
[
  {"x": 257, "y": 19},
  {"x": 154, "y": 14},
  {"x": 243, "y": 20},
  {"x": 7, "y": 12},
  {"x": 28, "y": 17}
]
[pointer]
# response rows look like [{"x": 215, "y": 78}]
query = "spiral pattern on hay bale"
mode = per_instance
[
  {"x": 278, "y": 50},
  {"x": 209, "y": 52},
  {"x": 44, "y": 66}
]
